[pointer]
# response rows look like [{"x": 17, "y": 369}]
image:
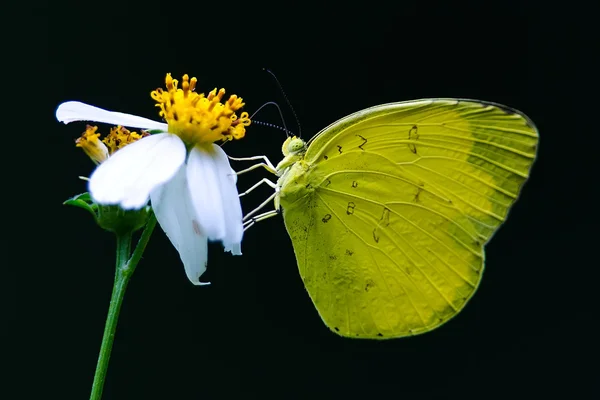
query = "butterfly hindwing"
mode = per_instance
[{"x": 377, "y": 269}]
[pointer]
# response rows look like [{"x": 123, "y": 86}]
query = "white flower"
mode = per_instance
[{"x": 187, "y": 177}]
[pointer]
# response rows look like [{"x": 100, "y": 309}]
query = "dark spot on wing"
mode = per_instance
[
  {"x": 385, "y": 217},
  {"x": 326, "y": 218},
  {"x": 349, "y": 252},
  {"x": 339, "y": 149},
  {"x": 363, "y": 143},
  {"x": 375, "y": 235},
  {"x": 325, "y": 157},
  {"x": 383, "y": 222},
  {"x": 416, "y": 198},
  {"x": 350, "y": 208},
  {"x": 332, "y": 257},
  {"x": 336, "y": 328},
  {"x": 380, "y": 334},
  {"x": 413, "y": 134},
  {"x": 354, "y": 184}
]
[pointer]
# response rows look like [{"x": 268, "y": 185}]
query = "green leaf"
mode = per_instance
[
  {"x": 83, "y": 200},
  {"x": 83, "y": 196}
]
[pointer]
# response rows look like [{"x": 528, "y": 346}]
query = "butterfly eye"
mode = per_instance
[{"x": 295, "y": 145}]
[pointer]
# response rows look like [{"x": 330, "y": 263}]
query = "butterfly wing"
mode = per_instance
[{"x": 391, "y": 208}]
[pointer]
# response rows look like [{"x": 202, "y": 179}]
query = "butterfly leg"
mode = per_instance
[
  {"x": 264, "y": 180},
  {"x": 261, "y": 205},
  {"x": 259, "y": 217},
  {"x": 255, "y": 166},
  {"x": 266, "y": 165}
]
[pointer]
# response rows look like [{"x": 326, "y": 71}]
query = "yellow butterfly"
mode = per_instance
[{"x": 389, "y": 209}]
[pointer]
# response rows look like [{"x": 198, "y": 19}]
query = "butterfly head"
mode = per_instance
[
  {"x": 293, "y": 150},
  {"x": 293, "y": 145}
]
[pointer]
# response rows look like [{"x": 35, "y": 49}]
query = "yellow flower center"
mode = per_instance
[
  {"x": 91, "y": 145},
  {"x": 120, "y": 137},
  {"x": 98, "y": 150},
  {"x": 199, "y": 119}
]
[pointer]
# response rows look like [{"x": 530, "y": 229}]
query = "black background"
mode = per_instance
[{"x": 254, "y": 332}]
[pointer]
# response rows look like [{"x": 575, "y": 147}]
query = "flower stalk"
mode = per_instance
[{"x": 125, "y": 266}]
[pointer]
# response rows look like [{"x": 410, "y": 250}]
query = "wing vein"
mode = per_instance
[
  {"x": 412, "y": 205},
  {"x": 369, "y": 247}
]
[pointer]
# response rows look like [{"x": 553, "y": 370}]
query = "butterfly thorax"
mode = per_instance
[{"x": 292, "y": 183}]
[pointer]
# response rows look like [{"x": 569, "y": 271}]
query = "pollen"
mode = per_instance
[
  {"x": 91, "y": 145},
  {"x": 120, "y": 137},
  {"x": 99, "y": 150},
  {"x": 200, "y": 119}
]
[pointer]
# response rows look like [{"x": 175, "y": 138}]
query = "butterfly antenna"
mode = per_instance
[
  {"x": 286, "y": 100},
  {"x": 281, "y": 128},
  {"x": 271, "y": 103}
]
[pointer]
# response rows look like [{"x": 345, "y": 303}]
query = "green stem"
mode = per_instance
[
  {"x": 123, "y": 273},
  {"x": 141, "y": 246}
]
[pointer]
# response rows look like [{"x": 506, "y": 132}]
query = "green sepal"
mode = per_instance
[
  {"x": 83, "y": 200},
  {"x": 155, "y": 131},
  {"x": 114, "y": 219},
  {"x": 111, "y": 217}
]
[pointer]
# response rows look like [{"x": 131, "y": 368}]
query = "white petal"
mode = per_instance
[
  {"x": 233, "y": 176},
  {"x": 211, "y": 182},
  {"x": 130, "y": 174},
  {"x": 71, "y": 111},
  {"x": 233, "y": 248},
  {"x": 174, "y": 211}
]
